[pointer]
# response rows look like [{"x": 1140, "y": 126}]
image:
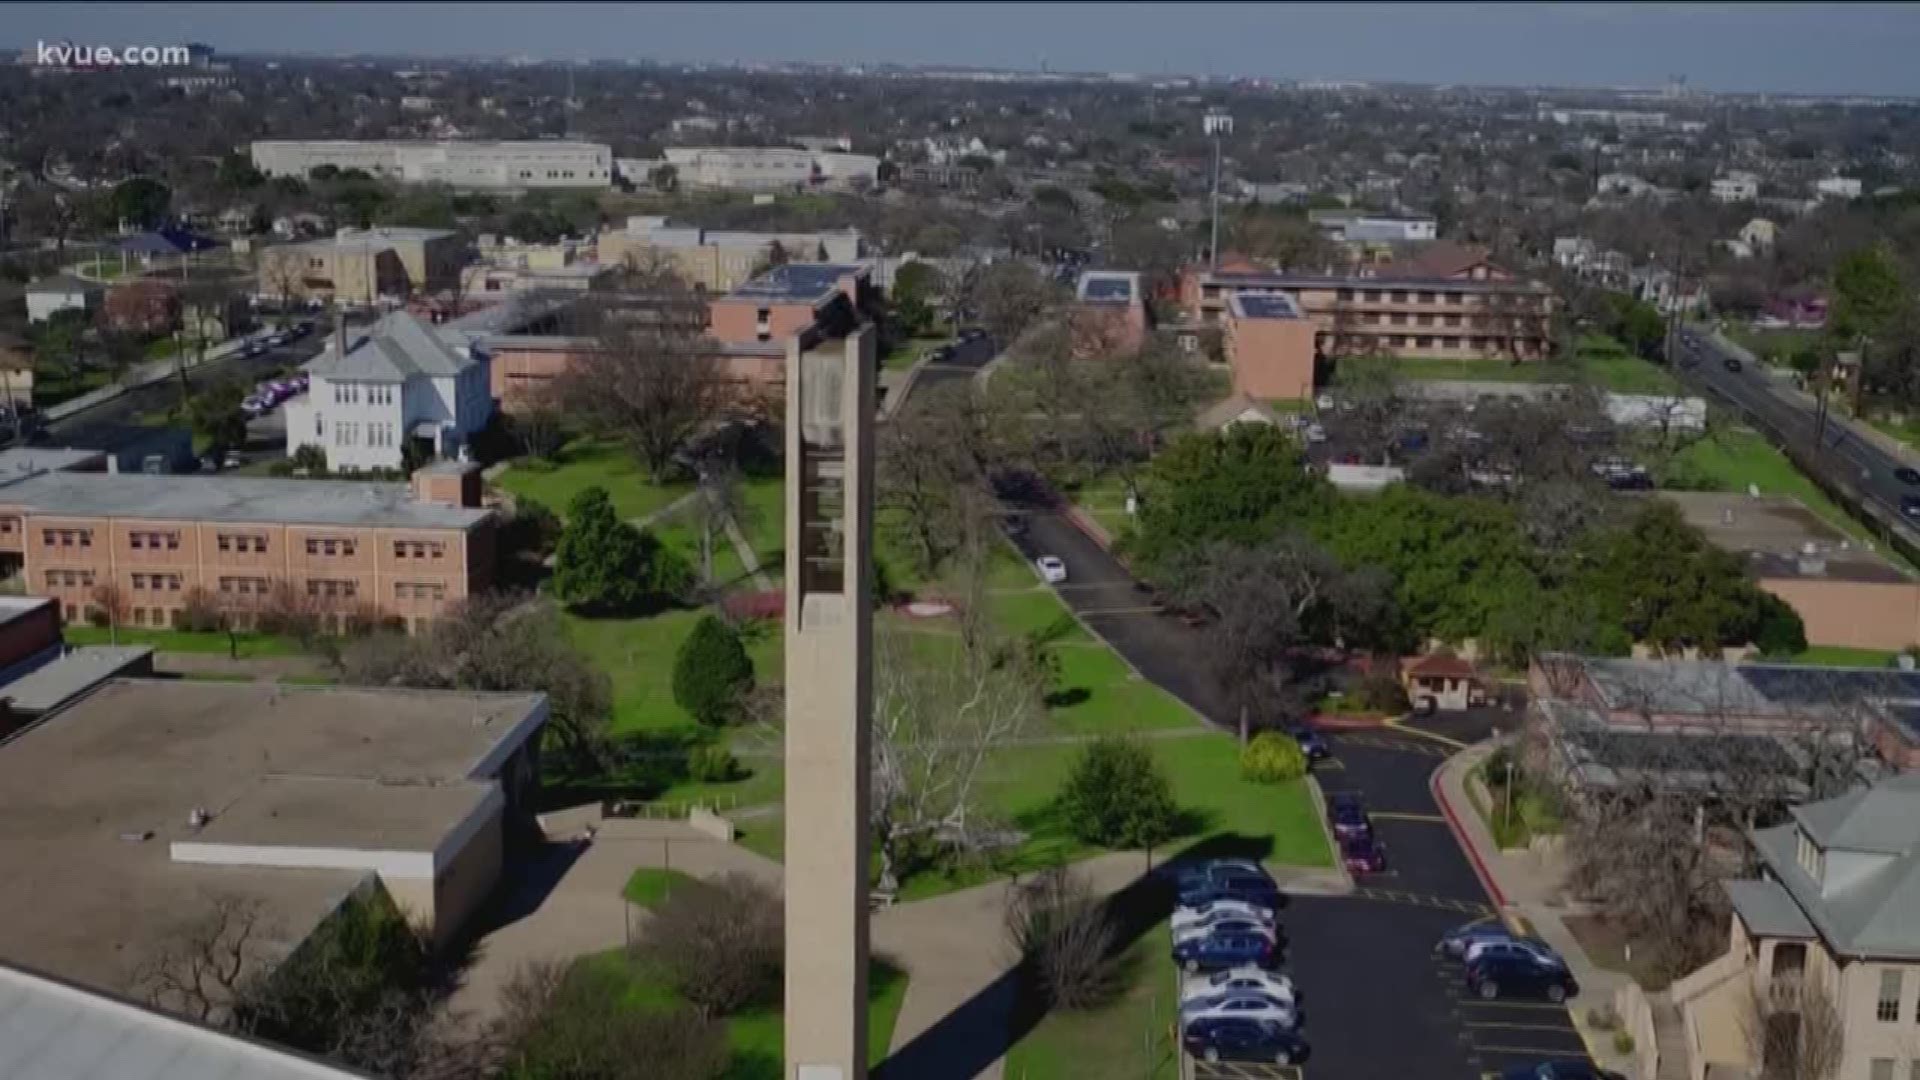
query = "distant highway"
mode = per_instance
[{"x": 1848, "y": 458}]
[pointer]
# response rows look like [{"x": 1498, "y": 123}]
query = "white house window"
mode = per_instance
[{"x": 1887, "y": 1007}]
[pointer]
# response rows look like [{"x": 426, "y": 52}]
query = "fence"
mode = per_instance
[{"x": 1636, "y": 1019}]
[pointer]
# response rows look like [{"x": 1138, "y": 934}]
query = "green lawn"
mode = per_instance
[
  {"x": 1600, "y": 359},
  {"x": 755, "y": 1036},
  {"x": 1105, "y": 500},
  {"x": 762, "y": 522},
  {"x": 584, "y": 463},
  {"x": 650, "y": 885},
  {"x": 1130, "y": 1037},
  {"x": 1840, "y": 656},
  {"x": 186, "y": 641},
  {"x": 908, "y": 353},
  {"x": 53, "y": 385},
  {"x": 638, "y": 654}
]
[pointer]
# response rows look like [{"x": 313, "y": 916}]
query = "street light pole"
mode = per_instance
[{"x": 1217, "y": 124}]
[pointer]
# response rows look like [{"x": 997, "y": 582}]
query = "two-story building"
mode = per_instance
[
  {"x": 1834, "y": 918},
  {"x": 371, "y": 390},
  {"x": 362, "y": 266},
  {"x": 399, "y": 550}
]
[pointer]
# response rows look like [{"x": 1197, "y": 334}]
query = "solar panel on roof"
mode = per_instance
[
  {"x": 1109, "y": 289},
  {"x": 1811, "y": 686}
]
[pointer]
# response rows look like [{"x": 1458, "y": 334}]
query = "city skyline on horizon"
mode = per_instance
[{"x": 1732, "y": 48}]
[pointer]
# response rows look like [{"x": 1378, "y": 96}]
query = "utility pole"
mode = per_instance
[{"x": 1219, "y": 125}]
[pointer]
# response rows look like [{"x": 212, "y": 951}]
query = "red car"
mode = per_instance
[{"x": 1363, "y": 855}]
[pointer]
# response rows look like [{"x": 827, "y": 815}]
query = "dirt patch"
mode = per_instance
[{"x": 1609, "y": 947}]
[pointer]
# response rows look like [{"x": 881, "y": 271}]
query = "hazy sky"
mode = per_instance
[{"x": 1825, "y": 48}]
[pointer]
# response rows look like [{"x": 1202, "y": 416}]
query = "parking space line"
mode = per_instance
[
  {"x": 1482, "y": 1003},
  {"x": 1396, "y": 815},
  {"x": 1565, "y": 1029},
  {"x": 1527, "y": 1051},
  {"x": 1399, "y": 725},
  {"x": 1329, "y": 765}
]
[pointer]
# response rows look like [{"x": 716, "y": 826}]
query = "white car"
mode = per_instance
[
  {"x": 1229, "y": 924},
  {"x": 1052, "y": 570},
  {"x": 1245, "y": 1005},
  {"x": 1537, "y": 951},
  {"x": 1208, "y": 913},
  {"x": 1249, "y": 979}
]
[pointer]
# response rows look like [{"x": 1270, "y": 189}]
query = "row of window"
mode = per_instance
[
  {"x": 1883, "y": 1069},
  {"x": 160, "y": 617},
  {"x": 327, "y": 545},
  {"x": 1401, "y": 318},
  {"x": 154, "y": 541},
  {"x": 156, "y": 582},
  {"x": 333, "y": 590},
  {"x": 1427, "y": 341},
  {"x": 71, "y": 579},
  {"x": 68, "y": 537},
  {"x": 244, "y": 542},
  {"x": 253, "y": 542},
  {"x": 419, "y": 590},
  {"x": 346, "y": 393}
]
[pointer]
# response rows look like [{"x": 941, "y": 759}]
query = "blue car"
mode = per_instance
[
  {"x": 1348, "y": 817},
  {"x": 1311, "y": 742},
  {"x": 1493, "y": 977},
  {"x": 1211, "y": 952},
  {"x": 1227, "y": 879},
  {"x": 1231, "y": 1038}
]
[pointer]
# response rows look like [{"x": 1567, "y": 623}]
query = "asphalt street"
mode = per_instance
[
  {"x": 1380, "y": 1003},
  {"x": 1847, "y": 456}
]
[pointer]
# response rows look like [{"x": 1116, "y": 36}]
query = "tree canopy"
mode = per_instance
[{"x": 1242, "y": 485}]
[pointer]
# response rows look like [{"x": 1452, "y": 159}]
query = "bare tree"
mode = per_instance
[
  {"x": 936, "y": 718},
  {"x": 653, "y": 379},
  {"x": 1065, "y": 937},
  {"x": 721, "y": 941},
  {"x": 111, "y": 602},
  {"x": 498, "y": 641},
  {"x": 1794, "y": 1030},
  {"x": 719, "y": 500},
  {"x": 935, "y": 461},
  {"x": 202, "y": 967},
  {"x": 539, "y": 426},
  {"x": 1012, "y": 296}
]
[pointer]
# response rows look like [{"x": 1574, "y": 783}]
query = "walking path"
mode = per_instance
[
  {"x": 147, "y": 373},
  {"x": 263, "y": 669},
  {"x": 1528, "y": 889}
]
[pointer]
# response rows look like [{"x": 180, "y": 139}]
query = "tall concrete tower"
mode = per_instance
[{"x": 829, "y": 648}]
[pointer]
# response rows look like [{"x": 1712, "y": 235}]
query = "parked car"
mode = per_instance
[
  {"x": 255, "y": 348},
  {"x": 972, "y": 333},
  {"x": 277, "y": 340},
  {"x": 1228, "y": 926},
  {"x": 1240, "y": 979},
  {"x": 1513, "y": 976},
  {"x": 1053, "y": 570},
  {"x": 1910, "y": 506},
  {"x": 1229, "y": 1038},
  {"x": 1732, "y": 363},
  {"x": 1246, "y": 1004},
  {"x": 253, "y": 407},
  {"x": 233, "y": 460},
  {"x": 1227, "y": 879},
  {"x": 1907, "y": 475},
  {"x": 1348, "y": 817},
  {"x": 1211, "y": 952},
  {"x": 1312, "y": 743},
  {"x": 1513, "y": 947},
  {"x": 1363, "y": 855},
  {"x": 1560, "y": 1070},
  {"x": 1213, "y": 911},
  {"x": 209, "y": 463}
]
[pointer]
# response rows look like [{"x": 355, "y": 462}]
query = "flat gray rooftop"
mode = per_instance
[
  {"x": 48, "y": 687},
  {"x": 797, "y": 282},
  {"x": 1774, "y": 531},
  {"x": 93, "y": 797},
  {"x": 22, "y": 460},
  {"x": 256, "y": 500}
]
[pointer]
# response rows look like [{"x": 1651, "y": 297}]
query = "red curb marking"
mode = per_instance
[{"x": 1460, "y": 836}]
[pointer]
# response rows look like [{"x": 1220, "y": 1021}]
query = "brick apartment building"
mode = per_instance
[
  {"x": 1109, "y": 317},
  {"x": 343, "y": 547},
  {"x": 1450, "y": 303},
  {"x": 360, "y": 266},
  {"x": 748, "y": 330}
]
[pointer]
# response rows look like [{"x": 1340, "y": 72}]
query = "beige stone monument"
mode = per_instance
[{"x": 829, "y": 687}]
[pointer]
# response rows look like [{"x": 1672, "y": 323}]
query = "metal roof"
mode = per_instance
[
  {"x": 248, "y": 499},
  {"x": 1768, "y": 909},
  {"x": 1263, "y": 306},
  {"x": 395, "y": 349},
  {"x": 50, "y": 1030},
  {"x": 798, "y": 282}
]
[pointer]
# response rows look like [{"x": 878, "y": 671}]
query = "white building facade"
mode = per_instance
[
  {"x": 396, "y": 382},
  {"x": 539, "y": 163}
]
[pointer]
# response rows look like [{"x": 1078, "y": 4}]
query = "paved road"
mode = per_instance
[
  {"x": 969, "y": 357},
  {"x": 1379, "y": 1003},
  {"x": 1848, "y": 457}
]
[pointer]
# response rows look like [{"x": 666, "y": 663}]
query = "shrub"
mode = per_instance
[
  {"x": 310, "y": 459},
  {"x": 1065, "y": 938},
  {"x": 711, "y": 673},
  {"x": 713, "y": 764},
  {"x": 1117, "y": 796},
  {"x": 1380, "y": 692},
  {"x": 721, "y": 942},
  {"x": 573, "y": 1022},
  {"x": 1271, "y": 758},
  {"x": 1622, "y": 1042},
  {"x": 201, "y": 612}
]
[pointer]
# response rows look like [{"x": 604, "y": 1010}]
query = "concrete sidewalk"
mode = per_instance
[
  {"x": 1527, "y": 888},
  {"x": 146, "y": 373}
]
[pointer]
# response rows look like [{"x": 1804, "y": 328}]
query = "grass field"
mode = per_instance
[
  {"x": 1105, "y": 500},
  {"x": 185, "y": 641},
  {"x": 1839, "y": 656},
  {"x": 650, "y": 886},
  {"x": 908, "y": 353},
  {"x": 638, "y": 654},
  {"x": 1602, "y": 360},
  {"x": 755, "y": 1036},
  {"x": 1129, "y": 1037},
  {"x": 53, "y": 385},
  {"x": 584, "y": 463}
]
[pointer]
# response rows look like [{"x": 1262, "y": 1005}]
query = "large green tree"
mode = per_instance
[
  {"x": 141, "y": 202},
  {"x": 1661, "y": 581},
  {"x": 602, "y": 561},
  {"x": 1869, "y": 294},
  {"x": 215, "y": 417},
  {"x": 1241, "y": 485},
  {"x": 711, "y": 673},
  {"x": 915, "y": 285}
]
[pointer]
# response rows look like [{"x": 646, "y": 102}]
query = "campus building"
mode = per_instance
[
  {"x": 748, "y": 331},
  {"x": 1109, "y": 317},
  {"x": 338, "y": 547},
  {"x": 371, "y": 391},
  {"x": 720, "y": 260},
  {"x": 1834, "y": 917},
  {"x": 136, "y": 806},
  {"x": 359, "y": 267},
  {"x": 767, "y": 168},
  {"x": 543, "y": 163},
  {"x": 1449, "y": 304}
]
